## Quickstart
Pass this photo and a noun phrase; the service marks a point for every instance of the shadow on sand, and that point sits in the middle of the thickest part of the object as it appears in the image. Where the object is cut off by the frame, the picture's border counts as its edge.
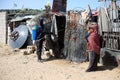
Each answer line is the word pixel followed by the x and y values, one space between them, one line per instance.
pixel 106 67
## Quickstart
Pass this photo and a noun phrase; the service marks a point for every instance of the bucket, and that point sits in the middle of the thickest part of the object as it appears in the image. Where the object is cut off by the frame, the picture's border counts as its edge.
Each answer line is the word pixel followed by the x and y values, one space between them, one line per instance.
pixel 34 32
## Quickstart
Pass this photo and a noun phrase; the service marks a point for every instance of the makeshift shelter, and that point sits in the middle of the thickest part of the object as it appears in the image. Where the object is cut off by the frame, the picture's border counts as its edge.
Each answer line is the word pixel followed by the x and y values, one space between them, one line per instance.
pixel 74 40
pixel 109 29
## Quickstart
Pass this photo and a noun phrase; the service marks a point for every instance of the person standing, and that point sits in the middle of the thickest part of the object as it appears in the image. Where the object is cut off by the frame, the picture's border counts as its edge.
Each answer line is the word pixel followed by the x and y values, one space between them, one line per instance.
pixel 38 38
pixel 93 46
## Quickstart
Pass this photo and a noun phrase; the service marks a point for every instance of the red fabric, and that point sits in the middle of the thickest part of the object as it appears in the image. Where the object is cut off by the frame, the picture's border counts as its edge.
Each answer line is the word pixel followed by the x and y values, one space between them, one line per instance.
pixel 95 13
pixel 93 40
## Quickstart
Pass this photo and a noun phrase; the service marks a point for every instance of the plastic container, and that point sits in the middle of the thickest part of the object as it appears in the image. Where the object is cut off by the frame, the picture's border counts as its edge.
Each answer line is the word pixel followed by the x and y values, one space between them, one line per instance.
pixel 34 32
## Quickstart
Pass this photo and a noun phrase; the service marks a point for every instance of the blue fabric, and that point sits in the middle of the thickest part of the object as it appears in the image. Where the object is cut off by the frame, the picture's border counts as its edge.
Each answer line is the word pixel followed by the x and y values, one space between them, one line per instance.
pixel 87 35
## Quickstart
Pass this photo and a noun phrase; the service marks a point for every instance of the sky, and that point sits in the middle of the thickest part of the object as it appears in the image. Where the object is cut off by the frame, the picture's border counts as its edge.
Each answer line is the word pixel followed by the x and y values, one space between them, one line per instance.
pixel 39 4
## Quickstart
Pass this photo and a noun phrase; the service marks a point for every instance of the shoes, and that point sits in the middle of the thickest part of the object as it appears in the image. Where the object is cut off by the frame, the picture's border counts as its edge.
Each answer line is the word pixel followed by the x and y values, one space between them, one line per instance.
pixel 40 60
pixel 90 70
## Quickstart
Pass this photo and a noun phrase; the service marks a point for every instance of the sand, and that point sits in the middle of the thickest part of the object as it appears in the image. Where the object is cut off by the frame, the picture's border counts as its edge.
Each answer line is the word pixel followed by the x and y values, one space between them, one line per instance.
pixel 16 66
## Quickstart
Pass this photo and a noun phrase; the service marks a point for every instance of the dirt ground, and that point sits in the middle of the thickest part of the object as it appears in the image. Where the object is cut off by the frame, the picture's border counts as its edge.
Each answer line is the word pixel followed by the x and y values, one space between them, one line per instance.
pixel 16 66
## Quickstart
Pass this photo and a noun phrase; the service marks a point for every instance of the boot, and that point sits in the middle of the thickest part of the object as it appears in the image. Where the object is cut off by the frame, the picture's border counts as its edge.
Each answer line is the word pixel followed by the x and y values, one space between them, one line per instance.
pixel 39 58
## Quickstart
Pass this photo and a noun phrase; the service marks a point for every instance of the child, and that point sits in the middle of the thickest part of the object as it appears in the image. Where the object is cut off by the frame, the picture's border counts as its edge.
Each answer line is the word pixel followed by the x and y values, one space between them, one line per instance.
pixel 93 46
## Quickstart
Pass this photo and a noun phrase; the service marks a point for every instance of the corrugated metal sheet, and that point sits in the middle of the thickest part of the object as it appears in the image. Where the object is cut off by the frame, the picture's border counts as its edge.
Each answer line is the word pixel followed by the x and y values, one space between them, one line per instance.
pixel 59 6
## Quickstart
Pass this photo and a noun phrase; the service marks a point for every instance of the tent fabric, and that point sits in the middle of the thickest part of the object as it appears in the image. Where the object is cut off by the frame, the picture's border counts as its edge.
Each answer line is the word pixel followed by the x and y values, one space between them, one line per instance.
pixel 75 44
pixel 103 21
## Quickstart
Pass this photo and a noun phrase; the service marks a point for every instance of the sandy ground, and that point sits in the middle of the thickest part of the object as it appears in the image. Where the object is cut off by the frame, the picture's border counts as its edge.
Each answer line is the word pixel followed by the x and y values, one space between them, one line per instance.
pixel 16 66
